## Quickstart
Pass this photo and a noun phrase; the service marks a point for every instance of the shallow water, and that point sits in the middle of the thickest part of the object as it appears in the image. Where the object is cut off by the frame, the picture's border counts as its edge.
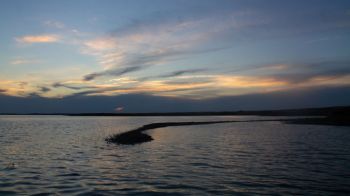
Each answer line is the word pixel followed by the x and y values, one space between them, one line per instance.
pixel 68 155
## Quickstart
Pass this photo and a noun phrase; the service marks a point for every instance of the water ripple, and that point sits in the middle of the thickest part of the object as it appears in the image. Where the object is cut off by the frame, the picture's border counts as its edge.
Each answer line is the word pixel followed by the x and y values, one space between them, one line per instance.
pixel 50 155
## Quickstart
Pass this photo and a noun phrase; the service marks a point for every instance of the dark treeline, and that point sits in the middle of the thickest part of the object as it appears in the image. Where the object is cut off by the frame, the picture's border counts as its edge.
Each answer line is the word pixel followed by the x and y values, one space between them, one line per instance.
pixel 325 111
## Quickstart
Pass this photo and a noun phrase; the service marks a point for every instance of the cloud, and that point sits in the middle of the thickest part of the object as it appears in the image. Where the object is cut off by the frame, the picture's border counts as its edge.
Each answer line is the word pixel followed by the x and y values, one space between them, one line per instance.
pixel 21 61
pixel 91 76
pixel 293 98
pixel 161 38
pixel 101 44
pixel 45 38
pixel 200 83
pixel 248 82
pixel 117 72
pixel 185 83
pixel 260 68
pixel 307 72
pixel 174 74
pixel 16 88
pixel 153 88
pixel 182 72
pixel 158 41
pixel 120 64
pixel 58 84
pixel 44 89
pixel 299 72
pixel 54 24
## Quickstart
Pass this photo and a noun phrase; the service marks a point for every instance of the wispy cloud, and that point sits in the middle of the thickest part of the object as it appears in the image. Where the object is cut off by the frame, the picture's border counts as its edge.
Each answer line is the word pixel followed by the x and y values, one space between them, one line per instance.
pixel 156 41
pixel 44 89
pixel 182 72
pixel 174 74
pixel 16 88
pixel 54 24
pixel 101 44
pixel 182 85
pixel 21 60
pixel 117 72
pixel 195 83
pixel 44 38
pixel 159 41
pixel 300 73
pixel 69 86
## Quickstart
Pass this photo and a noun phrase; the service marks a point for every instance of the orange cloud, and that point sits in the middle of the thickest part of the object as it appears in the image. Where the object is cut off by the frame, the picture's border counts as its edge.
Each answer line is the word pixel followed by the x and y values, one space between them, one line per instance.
pixel 16 88
pixel 248 82
pixel 327 80
pixel 38 39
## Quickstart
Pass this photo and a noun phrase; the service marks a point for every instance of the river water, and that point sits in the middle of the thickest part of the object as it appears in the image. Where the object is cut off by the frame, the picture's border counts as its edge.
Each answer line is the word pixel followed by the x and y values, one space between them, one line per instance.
pixel 48 155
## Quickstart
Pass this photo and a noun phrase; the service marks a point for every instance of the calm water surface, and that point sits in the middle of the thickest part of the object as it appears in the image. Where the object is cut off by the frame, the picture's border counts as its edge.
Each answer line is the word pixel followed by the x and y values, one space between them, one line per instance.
pixel 68 156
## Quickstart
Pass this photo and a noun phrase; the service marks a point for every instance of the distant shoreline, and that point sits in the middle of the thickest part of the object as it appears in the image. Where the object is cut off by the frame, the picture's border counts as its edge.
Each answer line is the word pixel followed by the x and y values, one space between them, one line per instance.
pixel 334 116
pixel 324 111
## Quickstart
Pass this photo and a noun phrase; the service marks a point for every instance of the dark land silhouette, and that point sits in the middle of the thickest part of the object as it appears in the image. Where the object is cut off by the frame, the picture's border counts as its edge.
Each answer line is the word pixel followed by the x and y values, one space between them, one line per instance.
pixel 324 111
pixel 336 116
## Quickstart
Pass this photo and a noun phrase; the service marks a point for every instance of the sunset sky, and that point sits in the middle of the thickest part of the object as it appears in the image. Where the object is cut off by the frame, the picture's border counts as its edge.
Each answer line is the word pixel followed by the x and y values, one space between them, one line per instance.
pixel 172 48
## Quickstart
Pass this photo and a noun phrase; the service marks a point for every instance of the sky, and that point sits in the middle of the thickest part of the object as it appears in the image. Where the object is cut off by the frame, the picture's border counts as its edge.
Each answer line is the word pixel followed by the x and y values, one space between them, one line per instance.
pixel 193 50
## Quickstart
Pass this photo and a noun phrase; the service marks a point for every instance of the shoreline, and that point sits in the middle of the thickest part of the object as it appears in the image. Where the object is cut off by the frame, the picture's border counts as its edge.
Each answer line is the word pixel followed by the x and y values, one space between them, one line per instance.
pixel 320 111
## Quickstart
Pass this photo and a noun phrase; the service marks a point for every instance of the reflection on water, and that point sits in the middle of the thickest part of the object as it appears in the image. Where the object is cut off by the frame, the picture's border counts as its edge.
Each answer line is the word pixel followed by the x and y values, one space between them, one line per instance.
pixel 68 155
